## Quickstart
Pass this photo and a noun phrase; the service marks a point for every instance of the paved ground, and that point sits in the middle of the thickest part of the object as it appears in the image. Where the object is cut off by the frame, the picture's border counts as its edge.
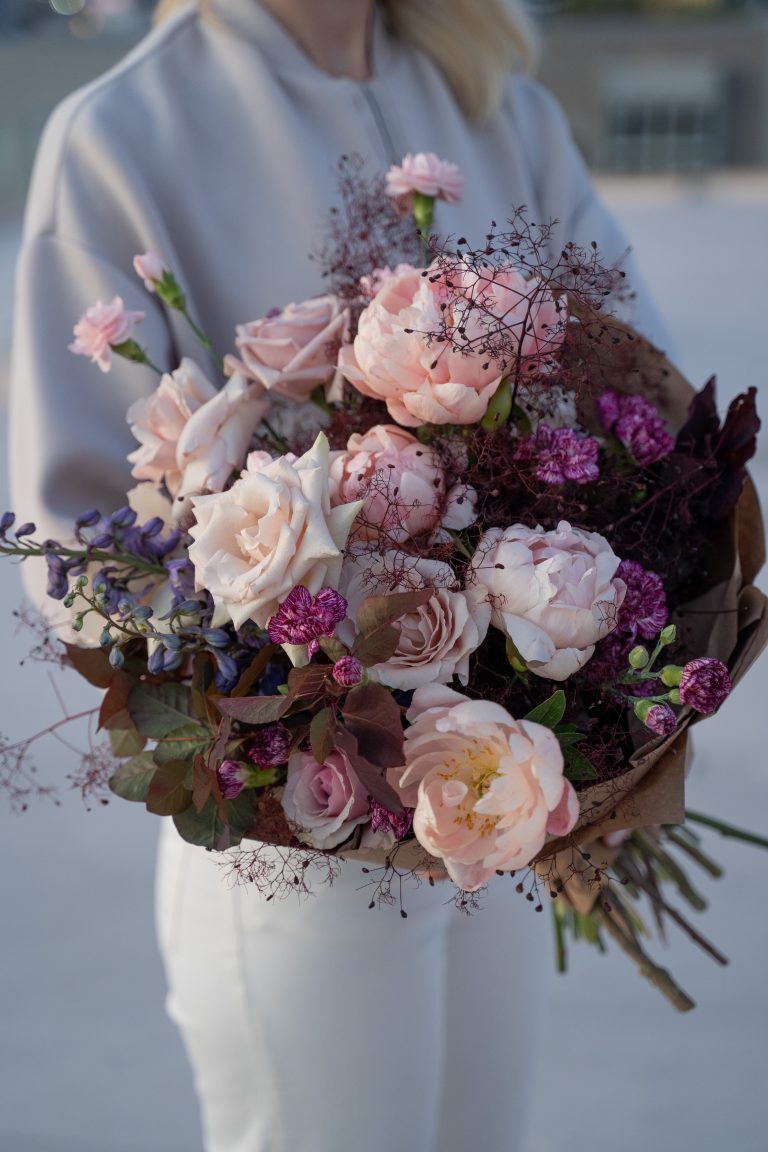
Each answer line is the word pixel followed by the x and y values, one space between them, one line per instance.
pixel 87 1060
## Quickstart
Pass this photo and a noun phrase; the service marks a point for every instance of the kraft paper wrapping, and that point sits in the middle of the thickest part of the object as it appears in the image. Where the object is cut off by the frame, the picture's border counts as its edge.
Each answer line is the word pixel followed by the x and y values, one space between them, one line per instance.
pixel 729 622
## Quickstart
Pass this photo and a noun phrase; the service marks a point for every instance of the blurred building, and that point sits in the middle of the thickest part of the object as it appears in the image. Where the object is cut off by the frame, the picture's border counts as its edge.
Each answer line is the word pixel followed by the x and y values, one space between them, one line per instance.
pixel 663 87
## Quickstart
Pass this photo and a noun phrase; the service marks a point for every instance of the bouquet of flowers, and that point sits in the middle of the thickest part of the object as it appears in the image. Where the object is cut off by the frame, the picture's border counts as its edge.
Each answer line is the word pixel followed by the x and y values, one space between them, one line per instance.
pixel 440 577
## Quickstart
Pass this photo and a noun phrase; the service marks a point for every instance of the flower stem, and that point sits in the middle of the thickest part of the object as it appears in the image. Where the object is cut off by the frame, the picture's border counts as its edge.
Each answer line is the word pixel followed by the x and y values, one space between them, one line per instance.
pixel 728 830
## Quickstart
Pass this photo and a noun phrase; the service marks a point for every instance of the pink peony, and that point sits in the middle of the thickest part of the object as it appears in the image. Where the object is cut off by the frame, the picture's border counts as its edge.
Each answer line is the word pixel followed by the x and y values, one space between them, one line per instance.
pixel 100 328
pixel 293 351
pixel 326 801
pixel 273 529
pixel 424 172
pixel 402 486
pixel 151 268
pixel 391 360
pixel 555 594
pixel 437 639
pixel 487 789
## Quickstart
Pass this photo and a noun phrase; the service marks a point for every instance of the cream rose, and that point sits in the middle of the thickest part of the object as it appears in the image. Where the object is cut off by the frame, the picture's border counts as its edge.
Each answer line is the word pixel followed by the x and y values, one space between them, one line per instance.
pixel 391 360
pixel 326 801
pixel 555 594
pixel 401 483
pixel 273 529
pixel 437 639
pixel 157 422
pixel 293 351
pixel 487 789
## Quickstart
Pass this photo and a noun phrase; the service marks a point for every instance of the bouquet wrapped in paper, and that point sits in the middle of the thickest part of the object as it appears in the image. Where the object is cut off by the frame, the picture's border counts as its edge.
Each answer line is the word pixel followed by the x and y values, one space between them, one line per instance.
pixel 440 578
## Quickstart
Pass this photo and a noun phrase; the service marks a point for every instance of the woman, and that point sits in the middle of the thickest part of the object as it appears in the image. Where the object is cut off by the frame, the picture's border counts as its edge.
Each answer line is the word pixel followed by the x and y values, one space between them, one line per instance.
pixel 321 1025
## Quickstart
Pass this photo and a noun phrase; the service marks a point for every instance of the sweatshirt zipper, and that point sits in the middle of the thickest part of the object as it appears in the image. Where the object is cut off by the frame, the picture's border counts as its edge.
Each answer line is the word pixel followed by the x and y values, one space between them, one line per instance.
pixel 381 124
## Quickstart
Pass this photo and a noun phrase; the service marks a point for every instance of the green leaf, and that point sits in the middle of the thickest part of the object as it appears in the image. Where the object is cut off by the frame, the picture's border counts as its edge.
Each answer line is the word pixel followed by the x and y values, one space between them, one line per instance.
pixel 126 741
pixel 183 743
pixel 168 793
pixel 207 828
pixel 550 712
pixel 321 735
pixel 158 709
pixel 374 718
pixel 131 780
pixel 577 767
pixel 255 709
pixel 567 739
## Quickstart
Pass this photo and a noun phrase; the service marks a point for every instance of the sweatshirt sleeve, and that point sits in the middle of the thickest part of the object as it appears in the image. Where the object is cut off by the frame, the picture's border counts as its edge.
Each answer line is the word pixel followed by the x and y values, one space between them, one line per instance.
pixel 565 193
pixel 68 432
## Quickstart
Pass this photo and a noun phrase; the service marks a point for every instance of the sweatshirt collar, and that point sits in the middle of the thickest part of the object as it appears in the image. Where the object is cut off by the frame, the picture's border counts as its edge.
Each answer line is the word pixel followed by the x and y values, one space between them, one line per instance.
pixel 252 20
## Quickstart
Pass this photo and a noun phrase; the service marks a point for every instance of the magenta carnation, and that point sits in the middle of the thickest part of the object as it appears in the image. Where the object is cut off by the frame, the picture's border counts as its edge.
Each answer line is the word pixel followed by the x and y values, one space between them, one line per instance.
pixel 636 423
pixel 347 671
pixel 561 454
pixel 302 617
pixel 704 684
pixel 644 610
pixel 232 777
pixel 270 746
pixel 660 719
pixel 382 820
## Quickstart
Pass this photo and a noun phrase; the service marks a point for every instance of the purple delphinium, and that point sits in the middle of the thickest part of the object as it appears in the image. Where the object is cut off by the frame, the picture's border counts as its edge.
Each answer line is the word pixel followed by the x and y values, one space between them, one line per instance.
pixel 704 684
pixel 644 610
pixel 636 423
pixel 561 454
pixel 302 617
pixel 270 746
pixel 382 820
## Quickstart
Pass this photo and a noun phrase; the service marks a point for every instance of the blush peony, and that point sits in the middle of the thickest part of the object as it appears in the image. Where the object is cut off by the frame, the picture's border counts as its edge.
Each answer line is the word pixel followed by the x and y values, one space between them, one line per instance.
pixel 401 483
pixel 326 801
pixel 293 351
pixel 487 789
pixel 554 594
pixel 437 639
pixel 273 529
pixel 391 360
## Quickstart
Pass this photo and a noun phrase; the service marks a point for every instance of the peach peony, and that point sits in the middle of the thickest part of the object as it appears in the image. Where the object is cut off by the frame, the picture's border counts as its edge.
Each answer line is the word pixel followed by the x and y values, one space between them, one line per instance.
pixel 554 594
pixel 292 351
pixel 273 529
pixel 437 639
pixel 401 484
pixel 390 359
pixel 487 789
pixel 326 801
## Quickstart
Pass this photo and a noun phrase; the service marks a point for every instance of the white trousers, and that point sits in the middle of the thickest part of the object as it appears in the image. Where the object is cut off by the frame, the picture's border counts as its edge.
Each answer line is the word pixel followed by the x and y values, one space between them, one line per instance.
pixel 316 1025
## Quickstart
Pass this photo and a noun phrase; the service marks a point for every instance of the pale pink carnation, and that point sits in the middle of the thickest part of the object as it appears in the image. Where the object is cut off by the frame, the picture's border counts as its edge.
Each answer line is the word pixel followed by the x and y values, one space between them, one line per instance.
pixel 437 639
pixel 102 326
pixel 325 802
pixel 426 173
pixel 151 268
pixel 555 594
pixel 293 351
pixel 401 483
pixel 487 789
pixel 392 361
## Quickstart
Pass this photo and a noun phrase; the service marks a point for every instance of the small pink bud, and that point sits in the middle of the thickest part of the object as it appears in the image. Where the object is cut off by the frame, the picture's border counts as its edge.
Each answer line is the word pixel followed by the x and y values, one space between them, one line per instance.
pixel 347 671
pixel 150 268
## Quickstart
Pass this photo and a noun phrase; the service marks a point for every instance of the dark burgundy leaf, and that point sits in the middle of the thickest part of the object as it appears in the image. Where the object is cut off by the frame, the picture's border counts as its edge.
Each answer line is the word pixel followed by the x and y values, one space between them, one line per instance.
pixel 373 716
pixel 370 775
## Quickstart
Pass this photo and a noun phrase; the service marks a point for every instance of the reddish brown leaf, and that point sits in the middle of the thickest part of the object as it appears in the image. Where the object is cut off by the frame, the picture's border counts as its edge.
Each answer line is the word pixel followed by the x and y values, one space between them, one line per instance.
pixel 333 648
pixel 376 647
pixel 255 709
pixel 92 664
pixel 377 611
pixel 321 734
pixel 370 775
pixel 115 701
pixel 202 783
pixel 168 794
pixel 306 683
pixel 255 670
pixel 374 718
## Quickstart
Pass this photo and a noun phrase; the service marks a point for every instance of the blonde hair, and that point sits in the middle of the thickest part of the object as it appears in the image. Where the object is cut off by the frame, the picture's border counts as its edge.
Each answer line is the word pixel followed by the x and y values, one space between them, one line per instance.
pixel 474 43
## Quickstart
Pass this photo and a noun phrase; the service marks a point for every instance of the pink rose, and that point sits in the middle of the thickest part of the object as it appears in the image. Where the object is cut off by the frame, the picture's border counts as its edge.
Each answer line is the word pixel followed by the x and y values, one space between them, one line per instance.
pixel 273 529
pixel 555 594
pixel 426 173
pixel 487 789
pixel 102 326
pixel 151 268
pixel 325 801
pixel 401 483
pixel 293 351
pixel 391 360
pixel 437 639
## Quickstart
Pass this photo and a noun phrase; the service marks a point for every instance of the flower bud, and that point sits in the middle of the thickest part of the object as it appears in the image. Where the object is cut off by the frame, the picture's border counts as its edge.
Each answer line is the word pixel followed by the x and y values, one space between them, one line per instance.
pixel 670 675
pixel 348 671
pixel 231 777
pixel 26 530
pixel 668 635
pixel 657 717
pixel 116 657
pixel 638 657
pixel 77 623
pixel 106 640
pixel 499 408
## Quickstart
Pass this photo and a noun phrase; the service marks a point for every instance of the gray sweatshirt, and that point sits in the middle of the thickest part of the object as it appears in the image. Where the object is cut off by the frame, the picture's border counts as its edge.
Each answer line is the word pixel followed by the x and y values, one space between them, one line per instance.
pixel 215 144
